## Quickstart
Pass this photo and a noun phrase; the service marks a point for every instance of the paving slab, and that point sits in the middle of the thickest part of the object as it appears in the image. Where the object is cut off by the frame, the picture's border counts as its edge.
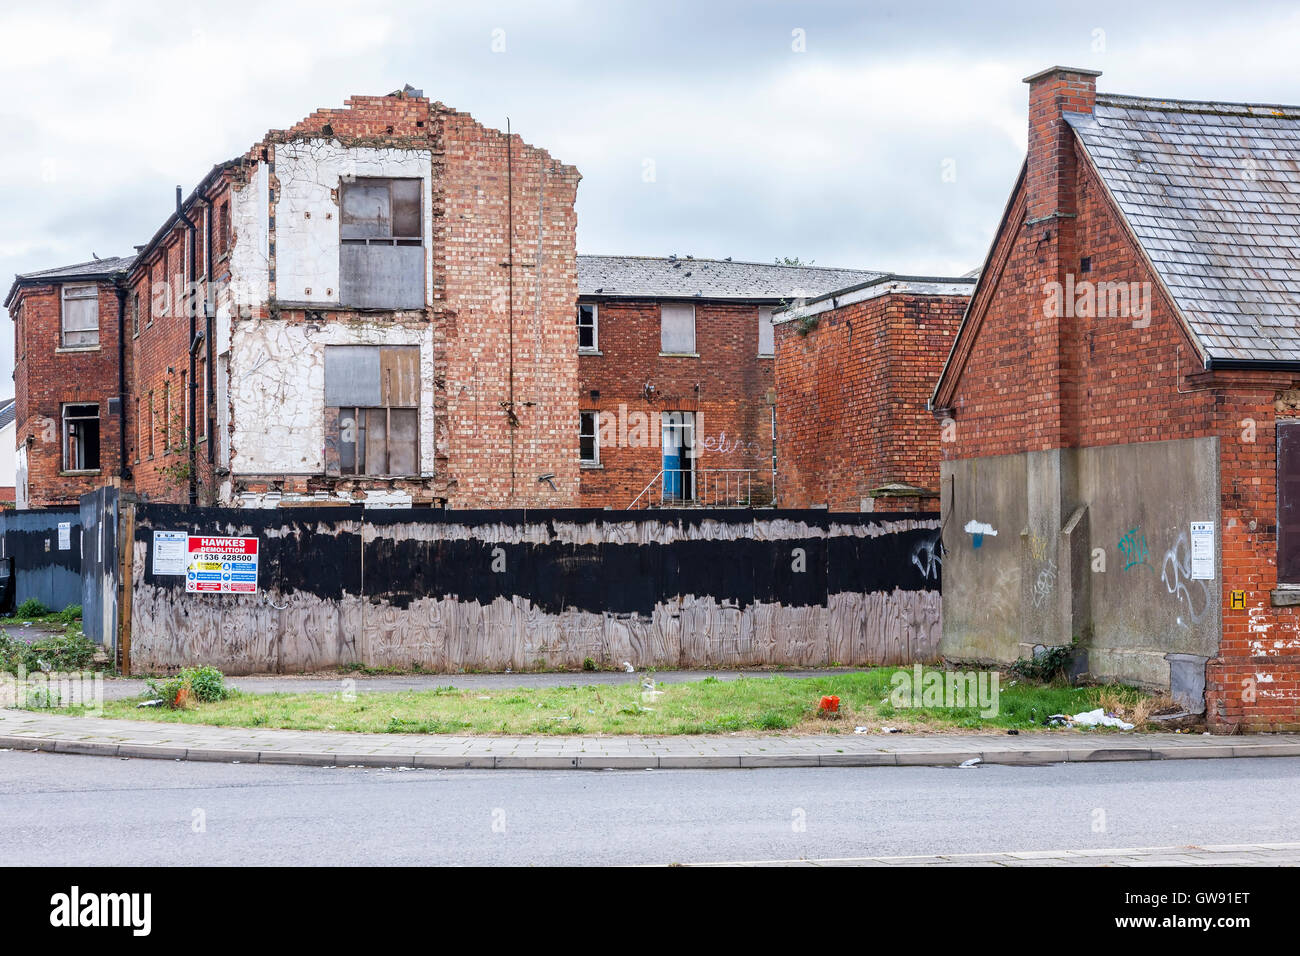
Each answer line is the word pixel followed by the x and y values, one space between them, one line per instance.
pixel 52 730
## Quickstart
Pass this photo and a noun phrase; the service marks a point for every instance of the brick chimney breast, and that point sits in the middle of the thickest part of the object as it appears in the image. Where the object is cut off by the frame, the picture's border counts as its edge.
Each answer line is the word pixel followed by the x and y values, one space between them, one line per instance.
pixel 1050 181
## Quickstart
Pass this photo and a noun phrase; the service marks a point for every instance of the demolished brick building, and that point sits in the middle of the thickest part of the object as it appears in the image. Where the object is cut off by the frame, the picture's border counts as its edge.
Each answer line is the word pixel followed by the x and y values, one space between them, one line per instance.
pixel 374 305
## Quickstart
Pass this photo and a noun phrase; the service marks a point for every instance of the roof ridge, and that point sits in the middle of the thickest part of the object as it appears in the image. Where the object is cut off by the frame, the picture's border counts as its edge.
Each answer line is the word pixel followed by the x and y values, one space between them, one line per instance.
pixel 736 262
pixel 72 265
pixel 1169 105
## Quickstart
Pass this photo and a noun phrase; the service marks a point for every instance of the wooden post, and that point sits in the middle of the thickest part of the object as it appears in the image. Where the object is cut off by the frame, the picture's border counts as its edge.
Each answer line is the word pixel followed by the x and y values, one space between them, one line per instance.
pixel 127 545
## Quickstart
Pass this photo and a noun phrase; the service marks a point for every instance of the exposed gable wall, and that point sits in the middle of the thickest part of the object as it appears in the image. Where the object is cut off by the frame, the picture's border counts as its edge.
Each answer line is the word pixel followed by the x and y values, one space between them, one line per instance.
pixel 851 401
pixel 1027 380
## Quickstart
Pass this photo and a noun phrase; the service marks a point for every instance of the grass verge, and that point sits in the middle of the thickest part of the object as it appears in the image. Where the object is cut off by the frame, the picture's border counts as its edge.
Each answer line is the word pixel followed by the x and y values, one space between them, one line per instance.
pixel 708 706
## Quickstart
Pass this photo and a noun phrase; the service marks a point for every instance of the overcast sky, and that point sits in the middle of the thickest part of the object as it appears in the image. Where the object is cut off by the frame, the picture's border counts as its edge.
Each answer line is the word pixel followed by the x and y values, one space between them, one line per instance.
pixel 814 129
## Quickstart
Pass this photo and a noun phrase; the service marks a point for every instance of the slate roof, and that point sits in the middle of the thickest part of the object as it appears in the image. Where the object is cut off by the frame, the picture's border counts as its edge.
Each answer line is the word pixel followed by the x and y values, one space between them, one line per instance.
pixel 92 270
pixel 96 267
pixel 1212 192
pixel 8 408
pixel 683 278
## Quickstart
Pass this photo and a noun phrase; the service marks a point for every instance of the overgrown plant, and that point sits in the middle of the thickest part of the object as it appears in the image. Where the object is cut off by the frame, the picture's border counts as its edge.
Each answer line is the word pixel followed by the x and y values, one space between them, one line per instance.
pixel 1046 667
pixel 203 684
pixel 69 615
pixel 31 608
pixel 65 652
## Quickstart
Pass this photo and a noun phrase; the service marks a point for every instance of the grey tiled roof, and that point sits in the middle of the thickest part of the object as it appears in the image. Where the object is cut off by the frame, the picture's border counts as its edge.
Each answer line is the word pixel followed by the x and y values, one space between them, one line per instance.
pixel 8 407
pixel 96 267
pixel 1212 192
pixel 671 277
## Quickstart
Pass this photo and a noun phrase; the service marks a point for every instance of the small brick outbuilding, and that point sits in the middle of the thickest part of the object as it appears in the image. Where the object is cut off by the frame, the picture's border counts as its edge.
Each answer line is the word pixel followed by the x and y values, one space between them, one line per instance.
pixel 1122 404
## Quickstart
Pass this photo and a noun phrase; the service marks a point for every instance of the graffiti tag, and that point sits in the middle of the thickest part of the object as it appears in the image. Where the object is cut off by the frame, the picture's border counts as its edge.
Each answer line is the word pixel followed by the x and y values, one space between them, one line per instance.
pixel 1045 583
pixel 1133 545
pixel 927 555
pixel 1176 573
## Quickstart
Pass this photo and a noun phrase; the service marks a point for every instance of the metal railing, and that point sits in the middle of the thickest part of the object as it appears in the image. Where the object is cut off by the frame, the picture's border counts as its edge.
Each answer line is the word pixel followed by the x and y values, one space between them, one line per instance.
pixel 698 488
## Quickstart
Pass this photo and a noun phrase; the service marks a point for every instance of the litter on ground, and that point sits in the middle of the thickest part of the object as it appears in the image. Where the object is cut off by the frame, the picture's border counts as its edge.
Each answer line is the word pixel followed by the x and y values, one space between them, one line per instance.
pixel 1099 718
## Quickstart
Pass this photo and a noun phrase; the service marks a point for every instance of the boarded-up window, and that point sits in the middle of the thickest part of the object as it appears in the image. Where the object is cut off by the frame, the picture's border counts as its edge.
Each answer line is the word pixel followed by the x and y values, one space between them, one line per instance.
pixel 80 316
pixel 1288 502
pixel 677 328
pixel 382 254
pixel 766 339
pixel 372 397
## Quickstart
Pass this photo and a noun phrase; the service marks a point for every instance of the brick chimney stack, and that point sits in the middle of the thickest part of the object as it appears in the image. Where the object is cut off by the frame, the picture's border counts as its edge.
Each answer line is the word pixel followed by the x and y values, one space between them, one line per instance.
pixel 1050 179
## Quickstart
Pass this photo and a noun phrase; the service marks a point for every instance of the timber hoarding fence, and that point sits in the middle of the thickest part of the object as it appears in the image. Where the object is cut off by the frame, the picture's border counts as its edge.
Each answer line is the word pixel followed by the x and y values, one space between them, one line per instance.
pixel 486 590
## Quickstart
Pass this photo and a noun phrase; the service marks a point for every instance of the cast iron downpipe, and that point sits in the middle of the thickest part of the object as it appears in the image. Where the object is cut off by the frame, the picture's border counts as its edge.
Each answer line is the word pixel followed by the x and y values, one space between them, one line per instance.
pixel 123 469
pixel 210 369
pixel 189 224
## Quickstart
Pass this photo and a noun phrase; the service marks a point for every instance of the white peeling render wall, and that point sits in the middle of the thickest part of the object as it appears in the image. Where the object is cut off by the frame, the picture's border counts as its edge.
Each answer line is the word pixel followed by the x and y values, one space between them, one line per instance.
pixel 250 279
pixel 307 211
pixel 277 392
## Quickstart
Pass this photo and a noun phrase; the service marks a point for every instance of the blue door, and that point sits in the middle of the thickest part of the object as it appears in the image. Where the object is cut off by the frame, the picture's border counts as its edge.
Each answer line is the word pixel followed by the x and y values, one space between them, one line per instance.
pixel 679 456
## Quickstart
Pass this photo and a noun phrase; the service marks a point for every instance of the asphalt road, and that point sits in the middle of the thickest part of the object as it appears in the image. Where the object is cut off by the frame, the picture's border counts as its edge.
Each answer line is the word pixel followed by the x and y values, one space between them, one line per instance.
pixel 72 810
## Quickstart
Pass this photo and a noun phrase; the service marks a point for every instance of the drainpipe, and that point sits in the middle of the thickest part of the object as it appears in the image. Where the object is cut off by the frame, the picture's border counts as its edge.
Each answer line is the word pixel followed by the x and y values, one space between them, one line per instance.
pixel 189 224
pixel 210 378
pixel 123 469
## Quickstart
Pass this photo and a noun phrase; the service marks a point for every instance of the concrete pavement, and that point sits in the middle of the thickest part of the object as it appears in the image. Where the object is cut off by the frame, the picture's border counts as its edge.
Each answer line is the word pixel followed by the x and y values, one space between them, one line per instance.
pixel 1226 854
pixel 95 736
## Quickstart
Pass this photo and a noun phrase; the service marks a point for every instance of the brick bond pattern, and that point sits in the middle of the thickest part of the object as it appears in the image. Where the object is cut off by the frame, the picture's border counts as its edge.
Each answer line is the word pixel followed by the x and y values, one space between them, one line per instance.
pixel 727 387
pixel 852 396
pixel 46 377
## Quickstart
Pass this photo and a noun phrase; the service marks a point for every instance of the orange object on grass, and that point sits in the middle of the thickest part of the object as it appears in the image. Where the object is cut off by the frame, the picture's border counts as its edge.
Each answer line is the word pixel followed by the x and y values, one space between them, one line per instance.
pixel 831 704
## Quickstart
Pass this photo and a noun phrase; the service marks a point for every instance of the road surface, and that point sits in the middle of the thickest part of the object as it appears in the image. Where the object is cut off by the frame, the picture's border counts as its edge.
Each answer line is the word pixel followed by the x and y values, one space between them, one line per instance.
pixel 74 810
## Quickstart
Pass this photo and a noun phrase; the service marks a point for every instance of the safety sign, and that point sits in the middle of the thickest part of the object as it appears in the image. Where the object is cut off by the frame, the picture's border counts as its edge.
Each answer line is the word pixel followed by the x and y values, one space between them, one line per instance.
pixel 222 565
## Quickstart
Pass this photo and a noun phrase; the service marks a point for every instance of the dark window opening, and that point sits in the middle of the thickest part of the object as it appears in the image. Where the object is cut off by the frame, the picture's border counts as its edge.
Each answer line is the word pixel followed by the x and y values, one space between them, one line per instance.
pixel 588 442
pixel 80 437
pixel 587 335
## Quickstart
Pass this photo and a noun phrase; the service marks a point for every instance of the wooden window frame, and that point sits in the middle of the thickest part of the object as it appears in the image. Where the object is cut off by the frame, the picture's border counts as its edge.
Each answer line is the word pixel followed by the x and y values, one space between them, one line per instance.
pixel 594 416
pixel 65 295
pixel 67 452
pixel 594 325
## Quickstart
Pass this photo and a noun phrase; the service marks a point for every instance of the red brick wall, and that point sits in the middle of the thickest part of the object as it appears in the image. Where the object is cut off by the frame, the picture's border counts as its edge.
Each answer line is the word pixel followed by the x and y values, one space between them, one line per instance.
pixel 1030 381
pixel 158 363
pixel 500 438
pixel 727 387
pixel 1255 681
pixel 851 402
pixel 47 377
